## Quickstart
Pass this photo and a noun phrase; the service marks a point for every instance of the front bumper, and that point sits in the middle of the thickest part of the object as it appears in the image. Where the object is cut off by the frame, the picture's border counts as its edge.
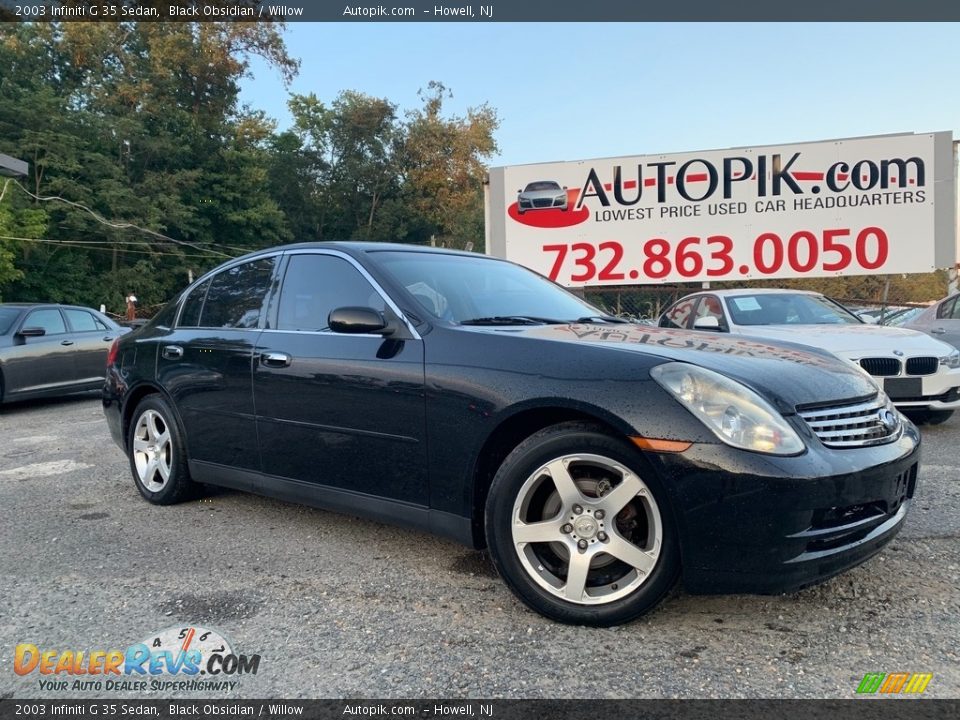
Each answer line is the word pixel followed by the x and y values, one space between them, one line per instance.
pixel 937 391
pixel 764 524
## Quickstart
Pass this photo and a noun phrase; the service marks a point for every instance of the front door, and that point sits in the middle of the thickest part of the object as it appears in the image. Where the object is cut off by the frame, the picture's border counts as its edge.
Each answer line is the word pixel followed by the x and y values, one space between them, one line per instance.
pixel 336 410
pixel 40 364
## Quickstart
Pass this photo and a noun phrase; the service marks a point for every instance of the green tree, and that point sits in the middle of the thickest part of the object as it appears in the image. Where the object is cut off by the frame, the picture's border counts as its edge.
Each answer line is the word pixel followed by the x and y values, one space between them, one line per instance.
pixel 443 166
pixel 140 123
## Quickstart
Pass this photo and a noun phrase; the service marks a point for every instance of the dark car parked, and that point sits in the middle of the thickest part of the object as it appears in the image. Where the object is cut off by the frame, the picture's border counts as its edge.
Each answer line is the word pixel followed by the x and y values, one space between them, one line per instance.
pixel 598 460
pixel 48 350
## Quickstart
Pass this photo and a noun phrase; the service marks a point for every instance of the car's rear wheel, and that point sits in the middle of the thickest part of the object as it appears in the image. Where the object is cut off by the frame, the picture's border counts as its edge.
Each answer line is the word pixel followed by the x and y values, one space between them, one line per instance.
pixel 157 456
pixel 579 529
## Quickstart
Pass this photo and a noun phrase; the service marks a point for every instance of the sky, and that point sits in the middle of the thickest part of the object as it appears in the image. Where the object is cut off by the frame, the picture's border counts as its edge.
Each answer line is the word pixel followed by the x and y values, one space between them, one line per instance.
pixel 570 91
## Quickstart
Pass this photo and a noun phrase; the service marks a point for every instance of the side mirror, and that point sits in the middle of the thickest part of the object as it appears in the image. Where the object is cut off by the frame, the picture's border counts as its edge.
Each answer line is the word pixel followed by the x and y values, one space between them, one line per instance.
pixel 32 332
pixel 707 322
pixel 358 321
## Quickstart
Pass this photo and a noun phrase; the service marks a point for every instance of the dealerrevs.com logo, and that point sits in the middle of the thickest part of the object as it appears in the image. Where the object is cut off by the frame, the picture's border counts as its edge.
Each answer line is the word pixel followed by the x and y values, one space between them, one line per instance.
pixel 179 658
pixel 894 683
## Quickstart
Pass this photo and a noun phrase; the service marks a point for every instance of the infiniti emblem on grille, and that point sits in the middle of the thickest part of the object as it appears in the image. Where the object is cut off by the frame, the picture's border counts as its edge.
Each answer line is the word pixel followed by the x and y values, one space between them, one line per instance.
pixel 888 419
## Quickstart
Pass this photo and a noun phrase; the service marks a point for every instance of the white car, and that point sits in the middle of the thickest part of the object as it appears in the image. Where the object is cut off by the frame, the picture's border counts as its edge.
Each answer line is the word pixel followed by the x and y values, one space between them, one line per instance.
pixel 542 195
pixel 919 373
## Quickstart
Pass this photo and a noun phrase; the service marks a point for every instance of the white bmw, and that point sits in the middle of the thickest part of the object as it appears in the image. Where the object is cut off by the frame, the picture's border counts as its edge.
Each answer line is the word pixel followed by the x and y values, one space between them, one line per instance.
pixel 919 373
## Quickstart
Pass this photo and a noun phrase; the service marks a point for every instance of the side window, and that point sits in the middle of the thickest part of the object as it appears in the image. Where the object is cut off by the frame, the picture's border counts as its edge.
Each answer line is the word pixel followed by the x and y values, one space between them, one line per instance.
pixel 190 317
pixel 49 319
pixel 237 295
pixel 82 321
pixel 233 298
pixel 710 307
pixel 316 284
pixel 678 314
pixel 949 309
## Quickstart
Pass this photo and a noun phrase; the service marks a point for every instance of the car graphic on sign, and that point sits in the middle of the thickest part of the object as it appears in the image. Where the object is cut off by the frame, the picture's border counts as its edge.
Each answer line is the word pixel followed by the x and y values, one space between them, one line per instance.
pixel 542 195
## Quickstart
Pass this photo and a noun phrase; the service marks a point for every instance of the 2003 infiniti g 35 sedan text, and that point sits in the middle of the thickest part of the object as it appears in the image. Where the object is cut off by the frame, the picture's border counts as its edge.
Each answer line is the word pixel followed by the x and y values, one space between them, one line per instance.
pixel 468 396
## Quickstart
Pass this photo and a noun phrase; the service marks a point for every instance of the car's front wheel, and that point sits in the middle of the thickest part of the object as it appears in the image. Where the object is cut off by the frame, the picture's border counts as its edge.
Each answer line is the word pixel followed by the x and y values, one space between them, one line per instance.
pixel 157 454
pixel 579 530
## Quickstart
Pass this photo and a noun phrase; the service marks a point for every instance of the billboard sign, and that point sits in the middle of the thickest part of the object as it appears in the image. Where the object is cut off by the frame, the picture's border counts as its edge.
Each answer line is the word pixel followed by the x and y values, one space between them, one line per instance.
pixel 883 204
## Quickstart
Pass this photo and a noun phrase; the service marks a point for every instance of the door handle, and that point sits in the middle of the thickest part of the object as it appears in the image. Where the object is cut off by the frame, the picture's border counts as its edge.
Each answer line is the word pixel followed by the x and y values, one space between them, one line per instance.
pixel 275 359
pixel 108 338
pixel 172 352
pixel 66 342
pixel 938 331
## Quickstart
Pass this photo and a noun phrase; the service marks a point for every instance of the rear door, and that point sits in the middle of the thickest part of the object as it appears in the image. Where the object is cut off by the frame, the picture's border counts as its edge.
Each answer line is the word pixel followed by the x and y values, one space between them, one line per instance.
pixel 205 364
pixel 92 339
pixel 336 410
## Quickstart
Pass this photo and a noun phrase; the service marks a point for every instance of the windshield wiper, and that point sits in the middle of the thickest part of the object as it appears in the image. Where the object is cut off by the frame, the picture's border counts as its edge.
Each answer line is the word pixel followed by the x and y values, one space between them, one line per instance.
pixel 512 320
pixel 602 318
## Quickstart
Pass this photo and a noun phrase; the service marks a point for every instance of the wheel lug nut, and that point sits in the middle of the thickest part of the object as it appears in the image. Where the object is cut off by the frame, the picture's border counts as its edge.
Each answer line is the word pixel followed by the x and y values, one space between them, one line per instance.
pixel 577 509
pixel 582 544
pixel 602 536
pixel 568 528
pixel 599 514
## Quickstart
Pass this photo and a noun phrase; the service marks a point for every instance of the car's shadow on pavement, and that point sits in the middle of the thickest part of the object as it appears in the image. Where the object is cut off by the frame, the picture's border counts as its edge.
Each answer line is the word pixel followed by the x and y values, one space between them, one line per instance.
pixel 14 406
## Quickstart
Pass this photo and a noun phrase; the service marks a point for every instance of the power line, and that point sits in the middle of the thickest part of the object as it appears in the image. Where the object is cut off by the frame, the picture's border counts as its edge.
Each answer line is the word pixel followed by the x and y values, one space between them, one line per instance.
pixel 84 244
pixel 117 226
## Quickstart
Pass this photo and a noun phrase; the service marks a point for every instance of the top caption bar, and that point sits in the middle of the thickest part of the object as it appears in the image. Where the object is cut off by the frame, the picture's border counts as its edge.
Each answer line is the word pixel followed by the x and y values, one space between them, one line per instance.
pixel 491 11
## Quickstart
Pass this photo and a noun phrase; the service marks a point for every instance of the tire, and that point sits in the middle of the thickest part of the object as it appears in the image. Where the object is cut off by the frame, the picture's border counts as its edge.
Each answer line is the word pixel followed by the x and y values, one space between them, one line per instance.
pixel 157 454
pixel 626 556
pixel 928 417
pixel 938 417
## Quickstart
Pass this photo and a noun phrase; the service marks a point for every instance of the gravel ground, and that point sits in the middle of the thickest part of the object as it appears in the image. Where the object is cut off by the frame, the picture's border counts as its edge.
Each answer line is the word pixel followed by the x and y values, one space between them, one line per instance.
pixel 342 607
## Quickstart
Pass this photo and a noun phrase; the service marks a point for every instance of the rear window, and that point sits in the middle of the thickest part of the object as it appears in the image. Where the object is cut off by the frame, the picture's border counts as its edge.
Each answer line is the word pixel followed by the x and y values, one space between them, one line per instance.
pixel 83 321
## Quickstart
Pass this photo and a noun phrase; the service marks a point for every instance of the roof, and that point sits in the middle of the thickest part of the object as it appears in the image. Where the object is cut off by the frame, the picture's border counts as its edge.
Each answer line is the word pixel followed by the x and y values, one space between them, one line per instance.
pixel 758 291
pixel 367 246
pixel 41 305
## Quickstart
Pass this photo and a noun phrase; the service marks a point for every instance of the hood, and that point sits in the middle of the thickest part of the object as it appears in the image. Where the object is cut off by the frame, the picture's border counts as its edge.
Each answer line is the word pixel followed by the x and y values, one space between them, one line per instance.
pixel 785 373
pixel 542 193
pixel 853 341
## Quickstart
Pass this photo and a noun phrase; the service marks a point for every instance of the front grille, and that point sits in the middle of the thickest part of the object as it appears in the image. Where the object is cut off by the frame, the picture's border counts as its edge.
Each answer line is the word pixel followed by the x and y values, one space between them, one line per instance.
pixel 881 367
pixel 538 203
pixel 848 426
pixel 923 365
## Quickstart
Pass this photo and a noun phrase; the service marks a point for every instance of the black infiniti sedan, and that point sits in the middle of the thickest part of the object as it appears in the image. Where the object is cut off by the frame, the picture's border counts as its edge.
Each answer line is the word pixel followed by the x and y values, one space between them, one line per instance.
pixel 48 350
pixel 598 460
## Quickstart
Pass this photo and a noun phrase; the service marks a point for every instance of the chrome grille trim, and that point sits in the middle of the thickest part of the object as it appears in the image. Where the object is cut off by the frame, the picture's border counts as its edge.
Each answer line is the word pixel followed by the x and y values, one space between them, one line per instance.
pixel 849 426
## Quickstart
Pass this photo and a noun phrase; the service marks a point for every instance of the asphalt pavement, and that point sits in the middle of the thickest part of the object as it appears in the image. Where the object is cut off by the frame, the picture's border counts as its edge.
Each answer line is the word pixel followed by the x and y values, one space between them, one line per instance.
pixel 338 607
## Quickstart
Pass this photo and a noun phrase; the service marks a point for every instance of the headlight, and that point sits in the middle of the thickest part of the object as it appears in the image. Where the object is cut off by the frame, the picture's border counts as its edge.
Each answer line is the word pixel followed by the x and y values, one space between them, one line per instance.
pixel 734 412
pixel 952 360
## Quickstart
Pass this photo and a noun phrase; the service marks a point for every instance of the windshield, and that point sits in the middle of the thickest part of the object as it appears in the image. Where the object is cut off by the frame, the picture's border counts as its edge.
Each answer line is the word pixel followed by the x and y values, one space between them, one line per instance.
pixel 788 309
pixel 8 316
pixel 542 185
pixel 463 289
